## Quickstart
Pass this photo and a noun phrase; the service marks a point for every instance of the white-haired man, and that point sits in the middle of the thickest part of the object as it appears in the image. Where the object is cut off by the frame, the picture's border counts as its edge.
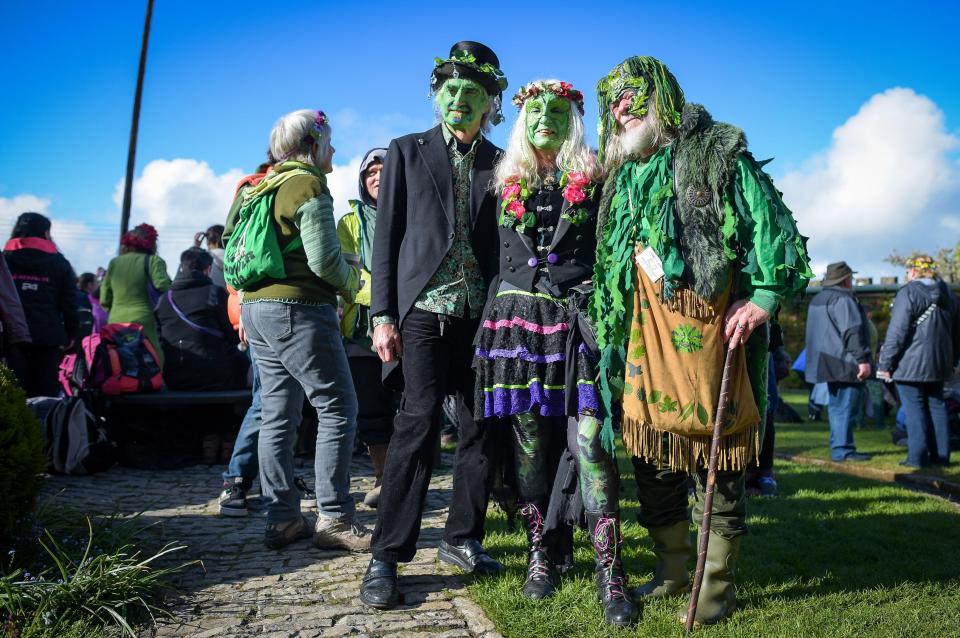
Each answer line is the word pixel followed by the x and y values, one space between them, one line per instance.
pixel 435 253
pixel 696 250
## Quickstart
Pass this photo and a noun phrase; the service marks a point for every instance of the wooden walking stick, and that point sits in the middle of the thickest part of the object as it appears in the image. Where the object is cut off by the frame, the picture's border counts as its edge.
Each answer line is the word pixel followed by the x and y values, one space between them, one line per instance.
pixel 712 477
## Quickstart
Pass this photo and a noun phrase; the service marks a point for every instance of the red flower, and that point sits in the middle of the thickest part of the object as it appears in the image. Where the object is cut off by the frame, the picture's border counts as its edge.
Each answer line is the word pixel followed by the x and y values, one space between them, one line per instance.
pixel 574 194
pixel 517 208
pixel 577 178
pixel 511 191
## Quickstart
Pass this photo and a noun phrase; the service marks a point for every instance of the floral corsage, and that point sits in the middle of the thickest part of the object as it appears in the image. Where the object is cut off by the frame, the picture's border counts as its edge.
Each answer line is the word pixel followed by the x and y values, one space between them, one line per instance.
pixel 577 189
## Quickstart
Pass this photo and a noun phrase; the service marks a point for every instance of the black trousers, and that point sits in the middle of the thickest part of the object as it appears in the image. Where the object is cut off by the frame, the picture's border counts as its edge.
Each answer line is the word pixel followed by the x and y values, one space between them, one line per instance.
pixel 37 368
pixel 377 404
pixel 437 360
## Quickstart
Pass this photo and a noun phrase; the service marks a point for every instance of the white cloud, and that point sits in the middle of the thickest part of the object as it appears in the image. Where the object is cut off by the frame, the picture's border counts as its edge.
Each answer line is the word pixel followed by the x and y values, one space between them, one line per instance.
pixel 881 185
pixel 179 197
pixel 344 184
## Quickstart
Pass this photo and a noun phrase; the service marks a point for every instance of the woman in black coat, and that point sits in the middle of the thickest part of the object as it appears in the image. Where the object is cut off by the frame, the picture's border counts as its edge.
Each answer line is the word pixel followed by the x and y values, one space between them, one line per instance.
pixel 48 291
pixel 920 353
pixel 199 342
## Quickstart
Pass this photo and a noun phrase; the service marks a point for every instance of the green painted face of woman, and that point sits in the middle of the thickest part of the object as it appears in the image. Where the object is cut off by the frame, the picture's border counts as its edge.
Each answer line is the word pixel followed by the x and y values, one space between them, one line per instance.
pixel 462 103
pixel 547 121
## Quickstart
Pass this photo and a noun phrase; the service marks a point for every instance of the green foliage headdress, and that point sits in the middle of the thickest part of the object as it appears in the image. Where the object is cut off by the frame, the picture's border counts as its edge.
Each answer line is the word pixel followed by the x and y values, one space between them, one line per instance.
pixel 642 75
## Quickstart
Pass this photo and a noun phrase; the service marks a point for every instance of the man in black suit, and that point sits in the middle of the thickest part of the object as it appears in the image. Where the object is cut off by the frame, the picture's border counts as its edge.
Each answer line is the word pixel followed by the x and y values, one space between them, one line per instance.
pixel 435 253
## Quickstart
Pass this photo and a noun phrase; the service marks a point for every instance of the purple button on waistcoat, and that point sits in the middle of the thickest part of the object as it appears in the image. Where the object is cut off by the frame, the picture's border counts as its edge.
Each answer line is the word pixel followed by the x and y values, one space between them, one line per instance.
pixel 552 258
pixel 532 262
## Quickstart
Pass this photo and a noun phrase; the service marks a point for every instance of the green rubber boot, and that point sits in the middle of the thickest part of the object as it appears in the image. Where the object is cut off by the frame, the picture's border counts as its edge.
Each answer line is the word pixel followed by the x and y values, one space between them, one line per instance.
pixel 718 594
pixel 671 545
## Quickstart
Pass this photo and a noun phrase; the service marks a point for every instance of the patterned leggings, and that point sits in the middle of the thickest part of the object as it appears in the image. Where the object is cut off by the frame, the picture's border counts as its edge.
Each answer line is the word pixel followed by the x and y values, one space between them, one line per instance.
pixel 597 472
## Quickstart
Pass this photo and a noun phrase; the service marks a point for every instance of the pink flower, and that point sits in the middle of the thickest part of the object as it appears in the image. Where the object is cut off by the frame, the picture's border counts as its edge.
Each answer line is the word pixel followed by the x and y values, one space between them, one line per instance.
pixel 574 194
pixel 517 208
pixel 511 191
pixel 577 178
pixel 513 179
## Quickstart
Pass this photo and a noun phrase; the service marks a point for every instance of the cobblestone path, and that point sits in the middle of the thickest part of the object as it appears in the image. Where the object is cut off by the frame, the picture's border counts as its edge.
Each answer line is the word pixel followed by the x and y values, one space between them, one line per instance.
pixel 243 589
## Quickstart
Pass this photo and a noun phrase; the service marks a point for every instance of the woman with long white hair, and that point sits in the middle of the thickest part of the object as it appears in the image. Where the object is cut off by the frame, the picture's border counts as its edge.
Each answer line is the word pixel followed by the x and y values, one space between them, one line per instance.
pixel 535 366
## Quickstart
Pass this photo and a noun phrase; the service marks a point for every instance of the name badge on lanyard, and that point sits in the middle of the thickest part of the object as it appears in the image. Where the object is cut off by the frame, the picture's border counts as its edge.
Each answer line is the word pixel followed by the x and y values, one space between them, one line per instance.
pixel 651 264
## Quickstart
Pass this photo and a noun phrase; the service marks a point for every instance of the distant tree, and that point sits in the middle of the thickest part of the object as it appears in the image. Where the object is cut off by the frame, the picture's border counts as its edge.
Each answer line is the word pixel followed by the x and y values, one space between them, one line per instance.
pixel 948 262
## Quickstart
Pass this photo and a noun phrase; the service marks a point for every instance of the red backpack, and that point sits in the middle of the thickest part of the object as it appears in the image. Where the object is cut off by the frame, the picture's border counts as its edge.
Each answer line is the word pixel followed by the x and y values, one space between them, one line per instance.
pixel 117 360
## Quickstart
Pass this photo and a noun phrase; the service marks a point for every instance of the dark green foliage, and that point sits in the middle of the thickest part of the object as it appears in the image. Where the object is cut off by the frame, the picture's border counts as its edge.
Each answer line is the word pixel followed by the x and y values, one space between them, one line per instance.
pixel 22 461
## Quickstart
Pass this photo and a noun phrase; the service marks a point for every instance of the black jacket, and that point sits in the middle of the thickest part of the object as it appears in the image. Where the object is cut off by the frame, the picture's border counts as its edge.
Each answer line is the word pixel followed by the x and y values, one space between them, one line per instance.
pixel 48 290
pixel 415 219
pixel 923 338
pixel 573 247
pixel 195 360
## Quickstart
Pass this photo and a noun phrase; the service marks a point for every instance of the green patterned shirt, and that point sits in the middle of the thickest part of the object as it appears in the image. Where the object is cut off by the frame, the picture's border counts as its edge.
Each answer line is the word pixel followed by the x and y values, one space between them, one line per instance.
pixel 457 287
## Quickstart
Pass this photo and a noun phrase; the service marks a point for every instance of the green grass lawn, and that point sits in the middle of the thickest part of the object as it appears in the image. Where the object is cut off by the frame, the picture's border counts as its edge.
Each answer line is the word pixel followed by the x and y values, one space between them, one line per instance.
pixel 835 555
pixel 812 438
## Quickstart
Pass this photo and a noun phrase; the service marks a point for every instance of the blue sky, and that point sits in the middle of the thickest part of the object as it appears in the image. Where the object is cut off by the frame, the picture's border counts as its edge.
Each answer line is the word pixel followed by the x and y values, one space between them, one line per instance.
pixel 220 73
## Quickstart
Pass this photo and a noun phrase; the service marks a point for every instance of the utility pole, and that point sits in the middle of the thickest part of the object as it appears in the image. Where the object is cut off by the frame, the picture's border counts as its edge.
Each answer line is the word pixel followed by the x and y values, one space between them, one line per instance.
pixel 135 125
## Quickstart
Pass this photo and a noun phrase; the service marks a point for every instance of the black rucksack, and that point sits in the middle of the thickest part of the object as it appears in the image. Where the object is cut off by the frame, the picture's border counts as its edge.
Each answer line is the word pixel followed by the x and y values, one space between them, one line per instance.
pixel 74 438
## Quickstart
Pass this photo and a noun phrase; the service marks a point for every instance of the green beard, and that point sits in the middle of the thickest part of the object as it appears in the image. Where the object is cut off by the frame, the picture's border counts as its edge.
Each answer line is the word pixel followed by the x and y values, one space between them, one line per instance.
pixel 462 103
pixel 547 121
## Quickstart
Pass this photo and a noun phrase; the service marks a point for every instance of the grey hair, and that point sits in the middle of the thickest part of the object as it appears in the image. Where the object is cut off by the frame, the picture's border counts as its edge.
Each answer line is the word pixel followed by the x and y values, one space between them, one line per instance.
pixel 493 105
pixel 292 137
pixel 520 157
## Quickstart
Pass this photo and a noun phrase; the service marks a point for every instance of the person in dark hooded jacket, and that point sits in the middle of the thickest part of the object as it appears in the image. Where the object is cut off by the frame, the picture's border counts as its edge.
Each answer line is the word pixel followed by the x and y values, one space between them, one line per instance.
pixel 377 403
pixel 198 340
pixel 48 289
pixel 921 351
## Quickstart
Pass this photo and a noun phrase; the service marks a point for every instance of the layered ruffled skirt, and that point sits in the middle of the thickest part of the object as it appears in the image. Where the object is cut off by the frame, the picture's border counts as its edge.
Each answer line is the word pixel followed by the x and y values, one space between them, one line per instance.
pixel 529 358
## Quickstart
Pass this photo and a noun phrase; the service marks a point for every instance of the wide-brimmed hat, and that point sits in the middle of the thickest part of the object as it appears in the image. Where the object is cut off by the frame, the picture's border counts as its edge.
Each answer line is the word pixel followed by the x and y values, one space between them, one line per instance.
pixel 836 273
pixel 473 61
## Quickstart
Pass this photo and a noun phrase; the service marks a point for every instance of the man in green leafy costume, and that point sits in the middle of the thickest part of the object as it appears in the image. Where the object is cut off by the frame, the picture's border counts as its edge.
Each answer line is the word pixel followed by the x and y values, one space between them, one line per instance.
pixel 695 248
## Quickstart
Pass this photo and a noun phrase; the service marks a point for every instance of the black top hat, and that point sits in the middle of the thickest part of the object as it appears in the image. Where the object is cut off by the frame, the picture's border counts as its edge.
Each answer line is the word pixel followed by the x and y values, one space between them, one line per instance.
pixel 836 273
pixel 473 61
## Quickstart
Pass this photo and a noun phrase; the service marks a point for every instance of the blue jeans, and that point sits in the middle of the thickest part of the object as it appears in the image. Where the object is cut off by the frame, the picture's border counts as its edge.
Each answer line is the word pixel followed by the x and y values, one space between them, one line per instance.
pixel 928 429
pixel 243 463
pixel 846 400
pixel 299 353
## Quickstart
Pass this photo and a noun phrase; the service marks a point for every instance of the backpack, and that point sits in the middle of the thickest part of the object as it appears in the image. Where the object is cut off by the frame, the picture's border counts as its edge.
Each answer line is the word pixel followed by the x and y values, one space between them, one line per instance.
pixel 117 360
pixel 75 441
pixel 253 252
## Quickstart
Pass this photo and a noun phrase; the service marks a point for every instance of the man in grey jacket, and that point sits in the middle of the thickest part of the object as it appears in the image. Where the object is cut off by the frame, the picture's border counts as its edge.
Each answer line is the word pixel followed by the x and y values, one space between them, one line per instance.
pixel 838 354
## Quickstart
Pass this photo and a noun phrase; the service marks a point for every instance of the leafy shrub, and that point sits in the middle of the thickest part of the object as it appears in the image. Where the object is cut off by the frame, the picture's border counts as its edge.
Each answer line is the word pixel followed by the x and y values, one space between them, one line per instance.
pixel 22 460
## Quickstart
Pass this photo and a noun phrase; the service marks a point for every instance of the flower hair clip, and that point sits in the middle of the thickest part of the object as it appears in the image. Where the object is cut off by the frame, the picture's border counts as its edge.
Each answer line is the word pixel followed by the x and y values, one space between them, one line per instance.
pixel 560 89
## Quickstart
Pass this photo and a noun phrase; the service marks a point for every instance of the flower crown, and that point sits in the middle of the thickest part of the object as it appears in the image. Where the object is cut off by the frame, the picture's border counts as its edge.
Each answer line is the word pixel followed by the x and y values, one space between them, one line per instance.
pixel 922 262
pixel 560 89
pixel 470 60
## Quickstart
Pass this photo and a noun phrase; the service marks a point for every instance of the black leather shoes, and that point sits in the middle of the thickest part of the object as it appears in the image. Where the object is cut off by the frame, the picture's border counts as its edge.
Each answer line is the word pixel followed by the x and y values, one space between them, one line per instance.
pixel 470 557
pixel 379 588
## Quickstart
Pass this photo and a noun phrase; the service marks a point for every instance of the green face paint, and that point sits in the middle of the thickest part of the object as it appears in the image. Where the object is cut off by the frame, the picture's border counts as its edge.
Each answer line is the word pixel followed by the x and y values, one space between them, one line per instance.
pixel 547 121
pixel 462 103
